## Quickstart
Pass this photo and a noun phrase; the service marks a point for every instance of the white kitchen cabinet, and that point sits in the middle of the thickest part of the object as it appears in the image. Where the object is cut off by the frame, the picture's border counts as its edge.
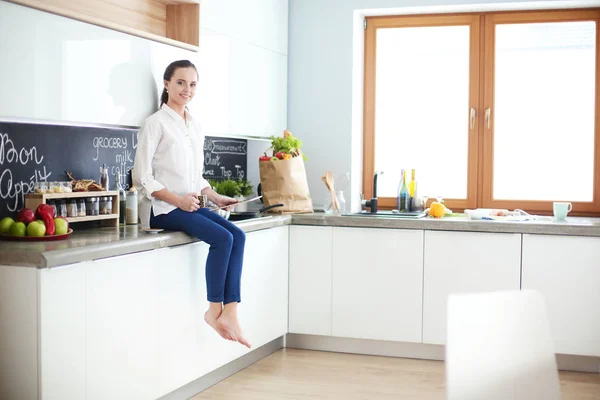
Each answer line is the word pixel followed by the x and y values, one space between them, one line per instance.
pixel 243 87
pixel 187 347
pixel 19 333
pixel 63 332
pixel 183 336
pixel 377 284
pixel 264 310
pixel 243 68
pixel 462 262
pixel 310 279
pixel 262 23
pixel 121 324
pixel 242 65
pixel 566 270
pixel 133 326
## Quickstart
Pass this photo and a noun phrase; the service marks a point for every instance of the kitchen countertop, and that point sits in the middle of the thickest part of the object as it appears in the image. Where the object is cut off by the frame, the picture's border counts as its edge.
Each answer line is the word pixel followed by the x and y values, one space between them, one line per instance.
pixel 575 226
pixel 93 244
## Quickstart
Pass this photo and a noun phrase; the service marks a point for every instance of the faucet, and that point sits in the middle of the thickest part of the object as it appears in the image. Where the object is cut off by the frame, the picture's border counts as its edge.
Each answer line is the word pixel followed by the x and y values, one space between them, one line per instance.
pixel 372 204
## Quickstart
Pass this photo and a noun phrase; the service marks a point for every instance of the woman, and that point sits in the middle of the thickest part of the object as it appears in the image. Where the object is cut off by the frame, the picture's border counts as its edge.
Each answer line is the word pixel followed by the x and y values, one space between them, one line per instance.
pixel 168 167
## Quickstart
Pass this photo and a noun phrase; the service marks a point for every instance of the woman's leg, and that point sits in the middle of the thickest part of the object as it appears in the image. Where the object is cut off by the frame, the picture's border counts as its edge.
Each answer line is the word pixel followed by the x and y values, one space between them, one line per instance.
pixel 228 321
pixel 233 278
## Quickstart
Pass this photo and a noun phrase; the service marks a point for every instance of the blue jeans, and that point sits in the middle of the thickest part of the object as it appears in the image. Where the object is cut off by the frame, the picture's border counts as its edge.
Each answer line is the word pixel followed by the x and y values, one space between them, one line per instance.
pixel 226 253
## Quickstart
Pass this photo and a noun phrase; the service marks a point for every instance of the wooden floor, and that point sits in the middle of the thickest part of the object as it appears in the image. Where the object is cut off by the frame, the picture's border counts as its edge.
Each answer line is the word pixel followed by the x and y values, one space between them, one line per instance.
pixel 302 374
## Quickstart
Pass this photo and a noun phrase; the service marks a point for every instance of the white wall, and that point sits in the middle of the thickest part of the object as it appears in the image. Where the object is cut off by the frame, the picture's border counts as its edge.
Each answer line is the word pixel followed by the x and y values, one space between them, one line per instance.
pixel 325 76
pixel 55 68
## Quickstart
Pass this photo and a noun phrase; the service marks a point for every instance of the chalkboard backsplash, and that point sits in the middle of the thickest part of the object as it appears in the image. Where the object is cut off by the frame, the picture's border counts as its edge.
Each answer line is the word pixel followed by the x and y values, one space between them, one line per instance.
pixel 31 153
pixel 225 158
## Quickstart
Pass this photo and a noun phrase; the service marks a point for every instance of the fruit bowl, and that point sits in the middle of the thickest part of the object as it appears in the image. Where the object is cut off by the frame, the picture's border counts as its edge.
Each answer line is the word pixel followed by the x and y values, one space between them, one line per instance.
pixel 46 238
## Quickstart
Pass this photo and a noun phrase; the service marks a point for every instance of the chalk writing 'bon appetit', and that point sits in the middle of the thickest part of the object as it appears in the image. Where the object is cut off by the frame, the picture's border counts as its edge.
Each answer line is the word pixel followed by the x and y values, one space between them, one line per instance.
pixel 14 191
pixel 11 155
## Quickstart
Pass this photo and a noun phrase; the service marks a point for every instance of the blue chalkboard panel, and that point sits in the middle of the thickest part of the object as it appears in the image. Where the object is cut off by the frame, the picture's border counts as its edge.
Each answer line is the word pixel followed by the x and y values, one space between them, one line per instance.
pixel 31 153
pixel 225 158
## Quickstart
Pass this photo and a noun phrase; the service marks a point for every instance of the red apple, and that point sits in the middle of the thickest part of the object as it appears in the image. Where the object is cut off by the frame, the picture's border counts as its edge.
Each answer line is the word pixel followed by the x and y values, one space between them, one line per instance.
pixel 26 216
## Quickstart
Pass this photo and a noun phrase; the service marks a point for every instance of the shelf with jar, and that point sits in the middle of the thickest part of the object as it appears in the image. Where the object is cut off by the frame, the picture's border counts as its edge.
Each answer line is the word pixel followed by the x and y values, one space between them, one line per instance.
pixel 80 206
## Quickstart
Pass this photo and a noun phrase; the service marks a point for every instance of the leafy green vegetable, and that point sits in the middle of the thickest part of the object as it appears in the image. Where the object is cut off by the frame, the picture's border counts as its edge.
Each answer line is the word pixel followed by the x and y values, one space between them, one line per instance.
pixel 289 145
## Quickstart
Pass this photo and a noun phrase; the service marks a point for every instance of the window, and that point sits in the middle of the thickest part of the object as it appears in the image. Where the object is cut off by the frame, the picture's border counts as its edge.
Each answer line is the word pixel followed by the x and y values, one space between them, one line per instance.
pixel 494 110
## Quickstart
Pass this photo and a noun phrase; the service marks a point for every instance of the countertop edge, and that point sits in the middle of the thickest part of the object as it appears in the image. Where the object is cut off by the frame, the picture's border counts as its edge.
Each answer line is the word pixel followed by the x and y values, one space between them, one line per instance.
pixel 168 239
pixel 463 225
pixel 144 242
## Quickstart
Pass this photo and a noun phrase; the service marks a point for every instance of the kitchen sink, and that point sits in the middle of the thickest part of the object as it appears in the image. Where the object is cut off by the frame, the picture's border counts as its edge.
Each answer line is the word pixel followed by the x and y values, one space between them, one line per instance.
pixel 388 214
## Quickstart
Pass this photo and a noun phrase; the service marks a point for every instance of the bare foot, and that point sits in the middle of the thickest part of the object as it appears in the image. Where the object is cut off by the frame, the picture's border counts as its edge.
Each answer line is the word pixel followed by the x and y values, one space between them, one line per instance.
pixel 230 324
pixel 211 316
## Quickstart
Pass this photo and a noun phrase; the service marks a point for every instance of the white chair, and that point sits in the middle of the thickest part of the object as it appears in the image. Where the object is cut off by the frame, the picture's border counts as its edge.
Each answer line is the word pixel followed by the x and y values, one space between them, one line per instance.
pixel 499 348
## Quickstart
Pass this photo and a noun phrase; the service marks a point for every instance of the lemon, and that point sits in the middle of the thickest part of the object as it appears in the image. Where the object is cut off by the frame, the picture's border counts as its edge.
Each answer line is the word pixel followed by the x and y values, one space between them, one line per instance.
pixel 437 210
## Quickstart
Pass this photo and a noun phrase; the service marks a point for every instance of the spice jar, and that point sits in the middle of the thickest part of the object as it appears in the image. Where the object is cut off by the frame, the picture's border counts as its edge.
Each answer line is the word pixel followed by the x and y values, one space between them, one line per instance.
pixel 52 204
pixel 96 204
pixel 106 205
pixel 92 206
pixel 57 187
pixel 72 208
pixel 81 208
pixel 109 205
pixel 103 205
pixel 67 187
pixel 61 208
pixel 89 207
pixel 39 187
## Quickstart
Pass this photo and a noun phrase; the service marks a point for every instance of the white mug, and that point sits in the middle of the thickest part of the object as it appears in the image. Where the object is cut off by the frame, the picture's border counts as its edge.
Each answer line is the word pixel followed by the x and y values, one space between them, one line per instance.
pixel 561 209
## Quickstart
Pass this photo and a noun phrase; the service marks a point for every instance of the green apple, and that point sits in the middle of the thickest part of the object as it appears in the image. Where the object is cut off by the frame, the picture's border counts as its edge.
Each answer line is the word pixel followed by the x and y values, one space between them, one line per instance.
pixel 62 226
pixel 36 229
pixel 5 224
pixel 18 229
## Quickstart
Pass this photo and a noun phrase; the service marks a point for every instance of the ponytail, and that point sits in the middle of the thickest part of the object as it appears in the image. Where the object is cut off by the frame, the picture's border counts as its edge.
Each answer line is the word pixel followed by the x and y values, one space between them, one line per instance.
pixel 164 97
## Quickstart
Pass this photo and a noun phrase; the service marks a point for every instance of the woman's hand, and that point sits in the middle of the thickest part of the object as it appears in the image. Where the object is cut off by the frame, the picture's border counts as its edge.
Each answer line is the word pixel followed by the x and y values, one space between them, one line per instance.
pixel 189 202
pixel 226 201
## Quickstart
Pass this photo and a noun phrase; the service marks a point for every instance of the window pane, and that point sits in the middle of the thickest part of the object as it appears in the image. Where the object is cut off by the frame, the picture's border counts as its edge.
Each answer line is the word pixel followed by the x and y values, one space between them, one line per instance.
pixel 544 111
pixel 422 104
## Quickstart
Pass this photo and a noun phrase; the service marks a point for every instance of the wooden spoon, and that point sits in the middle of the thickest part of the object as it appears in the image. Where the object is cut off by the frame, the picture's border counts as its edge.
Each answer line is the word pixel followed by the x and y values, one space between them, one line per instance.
pixel 330 185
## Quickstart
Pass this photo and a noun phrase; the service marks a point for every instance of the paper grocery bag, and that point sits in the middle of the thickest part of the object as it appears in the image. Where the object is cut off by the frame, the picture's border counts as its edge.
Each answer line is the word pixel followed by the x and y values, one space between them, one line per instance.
pixel 284 181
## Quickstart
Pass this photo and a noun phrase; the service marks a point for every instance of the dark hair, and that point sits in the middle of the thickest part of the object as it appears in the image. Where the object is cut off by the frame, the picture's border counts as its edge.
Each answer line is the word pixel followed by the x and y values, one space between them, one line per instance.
pixel 164 97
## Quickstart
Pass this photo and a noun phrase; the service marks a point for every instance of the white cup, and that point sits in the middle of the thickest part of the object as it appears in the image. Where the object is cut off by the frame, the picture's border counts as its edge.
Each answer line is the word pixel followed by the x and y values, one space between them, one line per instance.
pixel 561 209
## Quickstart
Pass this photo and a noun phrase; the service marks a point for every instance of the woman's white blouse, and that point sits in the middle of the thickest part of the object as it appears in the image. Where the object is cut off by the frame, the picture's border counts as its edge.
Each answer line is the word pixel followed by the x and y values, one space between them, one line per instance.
pixel 170 154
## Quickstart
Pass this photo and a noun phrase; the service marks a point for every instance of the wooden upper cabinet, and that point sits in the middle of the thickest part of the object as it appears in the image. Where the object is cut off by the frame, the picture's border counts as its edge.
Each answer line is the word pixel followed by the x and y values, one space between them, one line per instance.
pixel 174 22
